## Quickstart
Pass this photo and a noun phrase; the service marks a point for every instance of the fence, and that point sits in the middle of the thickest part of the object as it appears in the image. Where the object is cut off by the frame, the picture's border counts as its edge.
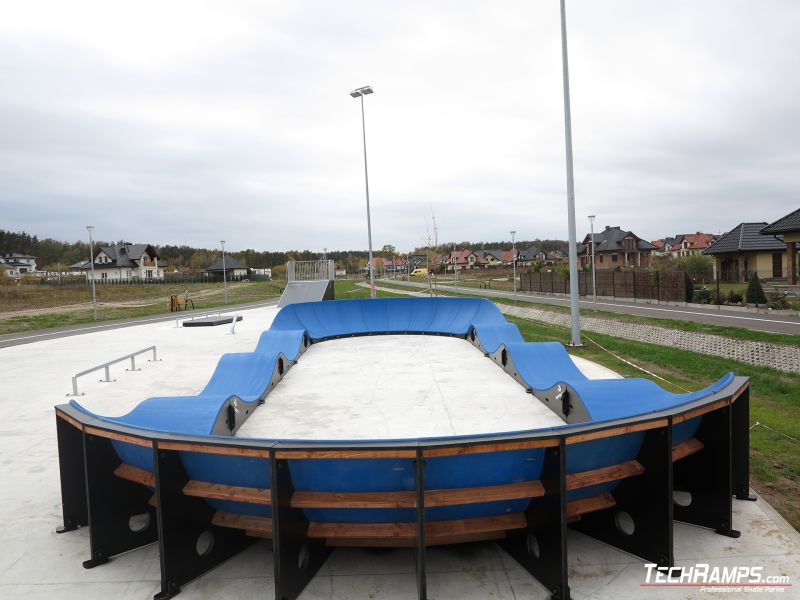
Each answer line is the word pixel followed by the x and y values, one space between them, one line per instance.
pixel 666 286
pixel 85 281
pixel 310 270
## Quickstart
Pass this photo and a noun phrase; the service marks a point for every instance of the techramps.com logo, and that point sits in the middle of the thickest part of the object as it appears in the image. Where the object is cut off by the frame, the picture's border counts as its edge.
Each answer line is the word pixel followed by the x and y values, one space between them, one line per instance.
pixel 720 580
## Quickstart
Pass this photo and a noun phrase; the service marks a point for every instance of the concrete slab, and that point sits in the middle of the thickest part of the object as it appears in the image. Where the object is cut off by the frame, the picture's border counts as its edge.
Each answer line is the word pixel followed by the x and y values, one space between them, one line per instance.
pixel 37 563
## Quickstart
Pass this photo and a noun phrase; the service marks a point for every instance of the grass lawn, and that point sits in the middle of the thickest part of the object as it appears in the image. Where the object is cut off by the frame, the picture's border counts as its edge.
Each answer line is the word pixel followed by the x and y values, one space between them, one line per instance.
pixel 146 300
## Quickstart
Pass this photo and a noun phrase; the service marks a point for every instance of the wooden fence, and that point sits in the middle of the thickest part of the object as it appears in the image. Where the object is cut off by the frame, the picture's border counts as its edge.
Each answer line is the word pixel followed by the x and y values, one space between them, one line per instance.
pixel 667 286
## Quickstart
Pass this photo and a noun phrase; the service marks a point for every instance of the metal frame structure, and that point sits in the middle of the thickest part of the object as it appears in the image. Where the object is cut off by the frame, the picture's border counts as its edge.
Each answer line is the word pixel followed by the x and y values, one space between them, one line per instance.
pixel 100 491
pixel 132 356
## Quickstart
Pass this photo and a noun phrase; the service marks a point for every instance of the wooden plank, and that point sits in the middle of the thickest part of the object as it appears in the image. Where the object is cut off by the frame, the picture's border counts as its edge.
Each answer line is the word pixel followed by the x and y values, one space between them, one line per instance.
pixel 214 449
pixel 219 491
pixel 259 534
pixel 489 493
pixel 434 529
pixel 135 474
pixel 583 479
pixel 576 508
pixel 484 448
pixel 75 423
pixel 700 410
pixel 686 448
pixel 120 437
pixel 409 543
pixel 333 454
pixel 361 530
pixel 476 525
pixel 614 431
pixel 739 392
pixel 354 500
pixel 260 525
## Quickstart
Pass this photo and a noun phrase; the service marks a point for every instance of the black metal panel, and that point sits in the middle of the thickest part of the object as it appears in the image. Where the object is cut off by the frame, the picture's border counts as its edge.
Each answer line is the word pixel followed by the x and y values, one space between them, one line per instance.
pixel 419 548
pixel 647 499
pixel 181 521
pixel 111 503
pixel 707 476
pixel 73 476
pixel 740 432
pixel 541 549
pixel 297 557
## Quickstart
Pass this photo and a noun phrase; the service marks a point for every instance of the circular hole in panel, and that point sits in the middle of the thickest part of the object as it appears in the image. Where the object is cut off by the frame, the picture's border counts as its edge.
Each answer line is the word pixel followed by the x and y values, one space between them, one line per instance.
pixel 472 334
pixel 504 357
pixel 280 366
pixel 681 498
pixel 533 546
pixel 624 523
pixel 305 341
pixel 302 557
pixel 204 543
pixel 140 522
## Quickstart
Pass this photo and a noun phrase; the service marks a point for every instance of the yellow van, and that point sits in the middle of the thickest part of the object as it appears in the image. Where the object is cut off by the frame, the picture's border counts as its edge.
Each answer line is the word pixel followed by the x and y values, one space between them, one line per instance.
pixel 419 272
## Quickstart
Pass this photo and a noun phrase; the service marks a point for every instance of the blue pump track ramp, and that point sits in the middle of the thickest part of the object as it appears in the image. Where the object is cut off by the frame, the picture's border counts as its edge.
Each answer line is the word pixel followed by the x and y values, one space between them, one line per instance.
pixel 608 464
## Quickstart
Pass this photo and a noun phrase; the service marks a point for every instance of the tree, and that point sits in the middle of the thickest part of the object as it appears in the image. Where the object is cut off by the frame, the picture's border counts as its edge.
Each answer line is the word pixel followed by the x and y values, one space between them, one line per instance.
pixel 755 293
pixel 696 266
pixel 389 249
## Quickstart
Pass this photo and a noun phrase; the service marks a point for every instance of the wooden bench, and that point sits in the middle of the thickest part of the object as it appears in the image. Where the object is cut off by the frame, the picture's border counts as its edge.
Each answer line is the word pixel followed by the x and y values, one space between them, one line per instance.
pixel 486 284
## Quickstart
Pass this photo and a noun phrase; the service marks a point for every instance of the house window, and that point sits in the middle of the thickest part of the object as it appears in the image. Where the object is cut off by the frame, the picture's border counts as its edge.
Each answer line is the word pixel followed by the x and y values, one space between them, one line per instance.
pixel 613 258
pixel 104 275
pixel 600 256
pixel 148 273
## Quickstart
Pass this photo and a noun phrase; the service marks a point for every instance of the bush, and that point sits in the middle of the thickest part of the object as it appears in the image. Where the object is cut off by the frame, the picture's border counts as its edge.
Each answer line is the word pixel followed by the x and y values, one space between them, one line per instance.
pixel 733 298
pixel 755 293
pixel 701 296
pixel 778 301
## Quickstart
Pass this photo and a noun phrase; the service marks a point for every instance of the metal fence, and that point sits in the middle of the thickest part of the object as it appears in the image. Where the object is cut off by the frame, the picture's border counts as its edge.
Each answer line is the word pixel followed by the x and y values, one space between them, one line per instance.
pixel 310 270
pixel 665 286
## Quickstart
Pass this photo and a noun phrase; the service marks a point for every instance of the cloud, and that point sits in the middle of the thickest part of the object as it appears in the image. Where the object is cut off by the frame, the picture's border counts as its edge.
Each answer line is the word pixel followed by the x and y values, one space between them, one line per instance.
pixel 195 121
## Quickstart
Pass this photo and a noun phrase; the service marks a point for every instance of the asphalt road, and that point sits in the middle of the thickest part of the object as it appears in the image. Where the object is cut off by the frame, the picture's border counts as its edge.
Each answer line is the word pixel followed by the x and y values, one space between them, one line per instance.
pixel 779 323
pixel 28 337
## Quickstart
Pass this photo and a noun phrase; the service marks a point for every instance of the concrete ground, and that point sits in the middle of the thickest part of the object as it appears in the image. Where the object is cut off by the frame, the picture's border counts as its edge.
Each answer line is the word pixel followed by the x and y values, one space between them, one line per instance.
pixel 35 562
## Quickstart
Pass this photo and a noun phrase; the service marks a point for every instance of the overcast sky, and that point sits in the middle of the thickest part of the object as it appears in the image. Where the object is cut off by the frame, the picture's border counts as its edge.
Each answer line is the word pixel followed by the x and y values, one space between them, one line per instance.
pixel 187 121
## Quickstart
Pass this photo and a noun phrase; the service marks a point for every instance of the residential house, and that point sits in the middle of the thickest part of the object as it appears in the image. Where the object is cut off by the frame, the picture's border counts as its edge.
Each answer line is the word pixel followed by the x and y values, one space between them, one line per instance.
pixel 16 265
pixel 234 269
pixel 690 243
pixel 789 228
pixel 123 262
pixel 395 265
pixel 490 258
pixel 460 260
pixel 553 258
pixel 529 257
pixel 745 250
pixel 614 248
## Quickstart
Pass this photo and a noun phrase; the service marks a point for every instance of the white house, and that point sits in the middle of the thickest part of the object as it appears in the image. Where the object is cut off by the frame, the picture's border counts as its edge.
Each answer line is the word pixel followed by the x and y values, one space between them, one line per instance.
pixel 16 265
pixel 124 262
pixel 234 269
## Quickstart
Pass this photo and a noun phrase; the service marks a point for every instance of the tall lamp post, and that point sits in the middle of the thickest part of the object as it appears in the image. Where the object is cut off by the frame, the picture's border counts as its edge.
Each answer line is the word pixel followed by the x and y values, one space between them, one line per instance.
pixel 594 278
pixel 90 228
pixel 224 274
pixel 514 262
pixel 573 250
pixel 360 93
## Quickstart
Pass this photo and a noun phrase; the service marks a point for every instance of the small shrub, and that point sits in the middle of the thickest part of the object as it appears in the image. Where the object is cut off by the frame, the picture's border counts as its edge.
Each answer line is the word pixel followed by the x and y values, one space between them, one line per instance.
pixel 778 301
pixel 755 293
pixel 733 297
pixel 701 296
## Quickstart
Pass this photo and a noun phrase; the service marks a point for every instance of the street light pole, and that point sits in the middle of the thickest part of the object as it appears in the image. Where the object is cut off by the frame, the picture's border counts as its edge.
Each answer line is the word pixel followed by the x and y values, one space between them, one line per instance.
pixel 573 250
pixel 360 93
pixel 514 263
pixel 90 228
pixel 224 274
pixel 594 278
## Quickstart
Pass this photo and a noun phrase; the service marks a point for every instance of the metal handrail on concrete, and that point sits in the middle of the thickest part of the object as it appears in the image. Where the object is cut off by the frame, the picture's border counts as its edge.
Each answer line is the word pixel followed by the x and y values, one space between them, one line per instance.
pixel 106 366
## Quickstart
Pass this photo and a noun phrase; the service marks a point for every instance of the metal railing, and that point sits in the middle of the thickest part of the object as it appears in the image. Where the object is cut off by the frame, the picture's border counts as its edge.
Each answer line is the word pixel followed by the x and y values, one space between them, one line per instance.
pixel 108 364
pixel 310 270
